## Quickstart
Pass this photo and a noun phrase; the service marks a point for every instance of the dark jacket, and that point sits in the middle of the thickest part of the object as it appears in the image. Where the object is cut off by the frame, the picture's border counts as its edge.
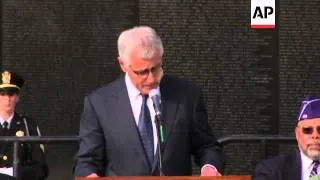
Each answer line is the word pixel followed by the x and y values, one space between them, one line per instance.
pixel 32 160
pixel 109 139
pixel 282 167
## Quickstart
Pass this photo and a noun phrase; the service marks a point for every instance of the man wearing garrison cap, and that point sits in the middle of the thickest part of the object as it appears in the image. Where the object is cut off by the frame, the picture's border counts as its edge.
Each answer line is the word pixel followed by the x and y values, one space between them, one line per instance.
pixel 32 160
pixel 303 164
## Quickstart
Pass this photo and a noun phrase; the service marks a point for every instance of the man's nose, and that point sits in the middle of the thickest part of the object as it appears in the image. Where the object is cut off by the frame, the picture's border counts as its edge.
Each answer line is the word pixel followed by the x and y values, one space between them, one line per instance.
pixel 316 134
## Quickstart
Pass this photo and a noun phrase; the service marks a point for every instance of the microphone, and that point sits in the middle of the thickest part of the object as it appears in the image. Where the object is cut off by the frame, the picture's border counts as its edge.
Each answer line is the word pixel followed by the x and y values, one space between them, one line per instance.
pixel 156 99
pixel 156 102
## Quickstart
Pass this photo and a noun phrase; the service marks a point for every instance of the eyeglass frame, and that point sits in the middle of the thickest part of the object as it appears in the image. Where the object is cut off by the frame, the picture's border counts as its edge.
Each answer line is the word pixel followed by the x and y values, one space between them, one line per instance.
pixel 145 72
pixel 309 130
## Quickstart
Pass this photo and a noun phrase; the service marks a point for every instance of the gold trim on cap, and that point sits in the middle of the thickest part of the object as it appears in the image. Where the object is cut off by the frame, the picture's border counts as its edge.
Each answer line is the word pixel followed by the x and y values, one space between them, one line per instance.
pixel 8 85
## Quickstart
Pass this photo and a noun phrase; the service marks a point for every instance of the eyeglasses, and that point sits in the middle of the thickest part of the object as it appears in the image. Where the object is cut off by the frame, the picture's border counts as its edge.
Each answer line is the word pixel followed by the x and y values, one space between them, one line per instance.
pixel 145 72
pixel 309 130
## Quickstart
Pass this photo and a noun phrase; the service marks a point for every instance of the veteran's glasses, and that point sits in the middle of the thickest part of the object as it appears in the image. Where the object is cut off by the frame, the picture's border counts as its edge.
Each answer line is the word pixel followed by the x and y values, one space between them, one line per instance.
pixel 310 130
pixel 145 72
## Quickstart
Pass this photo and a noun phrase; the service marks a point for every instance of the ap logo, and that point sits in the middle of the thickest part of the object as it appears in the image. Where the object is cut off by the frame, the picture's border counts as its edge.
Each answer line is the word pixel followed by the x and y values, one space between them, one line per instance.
pixel 263 13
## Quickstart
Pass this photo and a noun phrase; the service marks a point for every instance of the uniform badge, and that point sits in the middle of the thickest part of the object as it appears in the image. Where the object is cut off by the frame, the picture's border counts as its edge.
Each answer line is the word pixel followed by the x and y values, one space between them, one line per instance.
pixel 5 157
pixel 19 133
pixel 6 77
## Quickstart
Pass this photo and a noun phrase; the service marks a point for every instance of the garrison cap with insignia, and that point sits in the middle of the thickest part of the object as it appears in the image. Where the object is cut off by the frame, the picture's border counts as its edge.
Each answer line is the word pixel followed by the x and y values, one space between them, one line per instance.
pixel 310 108
pixel 10 82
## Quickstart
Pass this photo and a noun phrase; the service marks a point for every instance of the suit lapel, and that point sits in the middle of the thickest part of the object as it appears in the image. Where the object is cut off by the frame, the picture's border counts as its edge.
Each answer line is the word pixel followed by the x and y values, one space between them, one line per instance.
pixel 292 168
pixel 125 119
pixel 169 105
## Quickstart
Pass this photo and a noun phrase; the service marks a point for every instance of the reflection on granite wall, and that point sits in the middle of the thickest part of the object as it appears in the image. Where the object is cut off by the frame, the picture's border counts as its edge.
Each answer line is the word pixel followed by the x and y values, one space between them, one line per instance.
pixel 211 42
pixel 64 49
pixel 299 59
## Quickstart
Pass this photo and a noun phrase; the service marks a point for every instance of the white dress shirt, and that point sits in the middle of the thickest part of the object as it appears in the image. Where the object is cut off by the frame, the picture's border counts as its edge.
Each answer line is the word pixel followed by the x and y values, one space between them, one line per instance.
pixel 306 166
pixel 136 102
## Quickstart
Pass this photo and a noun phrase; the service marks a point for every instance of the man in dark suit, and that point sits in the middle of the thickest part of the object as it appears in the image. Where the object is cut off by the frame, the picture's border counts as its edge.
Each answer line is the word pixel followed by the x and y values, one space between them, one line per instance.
pixel 32 160
pixel 118 134
pixel 302 164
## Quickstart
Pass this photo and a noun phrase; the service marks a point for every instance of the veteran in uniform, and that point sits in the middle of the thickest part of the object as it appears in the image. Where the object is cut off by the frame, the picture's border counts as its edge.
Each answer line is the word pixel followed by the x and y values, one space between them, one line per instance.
pixel 32 160
pixel 303 163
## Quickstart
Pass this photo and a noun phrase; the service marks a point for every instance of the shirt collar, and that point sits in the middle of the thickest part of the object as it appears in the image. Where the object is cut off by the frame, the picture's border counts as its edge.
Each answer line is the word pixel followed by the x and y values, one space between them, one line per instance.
pixel 8 120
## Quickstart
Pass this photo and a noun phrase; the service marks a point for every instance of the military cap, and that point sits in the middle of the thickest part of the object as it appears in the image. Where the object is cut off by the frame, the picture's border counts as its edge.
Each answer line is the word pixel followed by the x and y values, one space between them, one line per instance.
pixel 309 108
pixel 10 82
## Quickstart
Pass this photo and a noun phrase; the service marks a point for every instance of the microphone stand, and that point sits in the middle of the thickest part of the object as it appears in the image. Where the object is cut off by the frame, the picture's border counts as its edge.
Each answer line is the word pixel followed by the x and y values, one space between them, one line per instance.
pixel 160 136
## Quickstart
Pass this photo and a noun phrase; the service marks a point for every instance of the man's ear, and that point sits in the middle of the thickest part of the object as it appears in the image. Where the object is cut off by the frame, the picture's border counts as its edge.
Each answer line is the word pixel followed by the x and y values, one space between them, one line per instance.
pixel 123 65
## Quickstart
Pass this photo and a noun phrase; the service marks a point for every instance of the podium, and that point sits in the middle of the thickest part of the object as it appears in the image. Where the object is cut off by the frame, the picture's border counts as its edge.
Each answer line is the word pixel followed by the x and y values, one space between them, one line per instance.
pixel 169 178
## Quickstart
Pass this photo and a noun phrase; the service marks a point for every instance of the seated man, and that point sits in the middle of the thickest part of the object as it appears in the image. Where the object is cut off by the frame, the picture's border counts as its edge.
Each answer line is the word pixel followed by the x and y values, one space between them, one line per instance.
pixel 303 163
pixel 32 160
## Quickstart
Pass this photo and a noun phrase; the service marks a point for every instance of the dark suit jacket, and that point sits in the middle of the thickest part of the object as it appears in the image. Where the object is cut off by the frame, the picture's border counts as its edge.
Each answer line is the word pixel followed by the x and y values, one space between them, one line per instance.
pixel 32 161
pixel 283 167
pixel 109 139
pixel 7 177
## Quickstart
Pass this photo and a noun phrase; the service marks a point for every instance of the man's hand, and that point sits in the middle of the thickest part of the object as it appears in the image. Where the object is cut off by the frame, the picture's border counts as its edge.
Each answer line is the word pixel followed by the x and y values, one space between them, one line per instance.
pixel 209 171
pixel 92 175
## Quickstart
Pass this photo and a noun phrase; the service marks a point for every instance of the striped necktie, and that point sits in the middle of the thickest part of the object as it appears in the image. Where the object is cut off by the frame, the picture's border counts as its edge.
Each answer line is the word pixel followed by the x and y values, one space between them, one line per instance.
pixel 314 168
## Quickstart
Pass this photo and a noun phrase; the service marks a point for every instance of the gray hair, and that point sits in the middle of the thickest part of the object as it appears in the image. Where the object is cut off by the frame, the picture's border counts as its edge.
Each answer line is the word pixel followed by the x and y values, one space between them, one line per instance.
pixel 141 36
